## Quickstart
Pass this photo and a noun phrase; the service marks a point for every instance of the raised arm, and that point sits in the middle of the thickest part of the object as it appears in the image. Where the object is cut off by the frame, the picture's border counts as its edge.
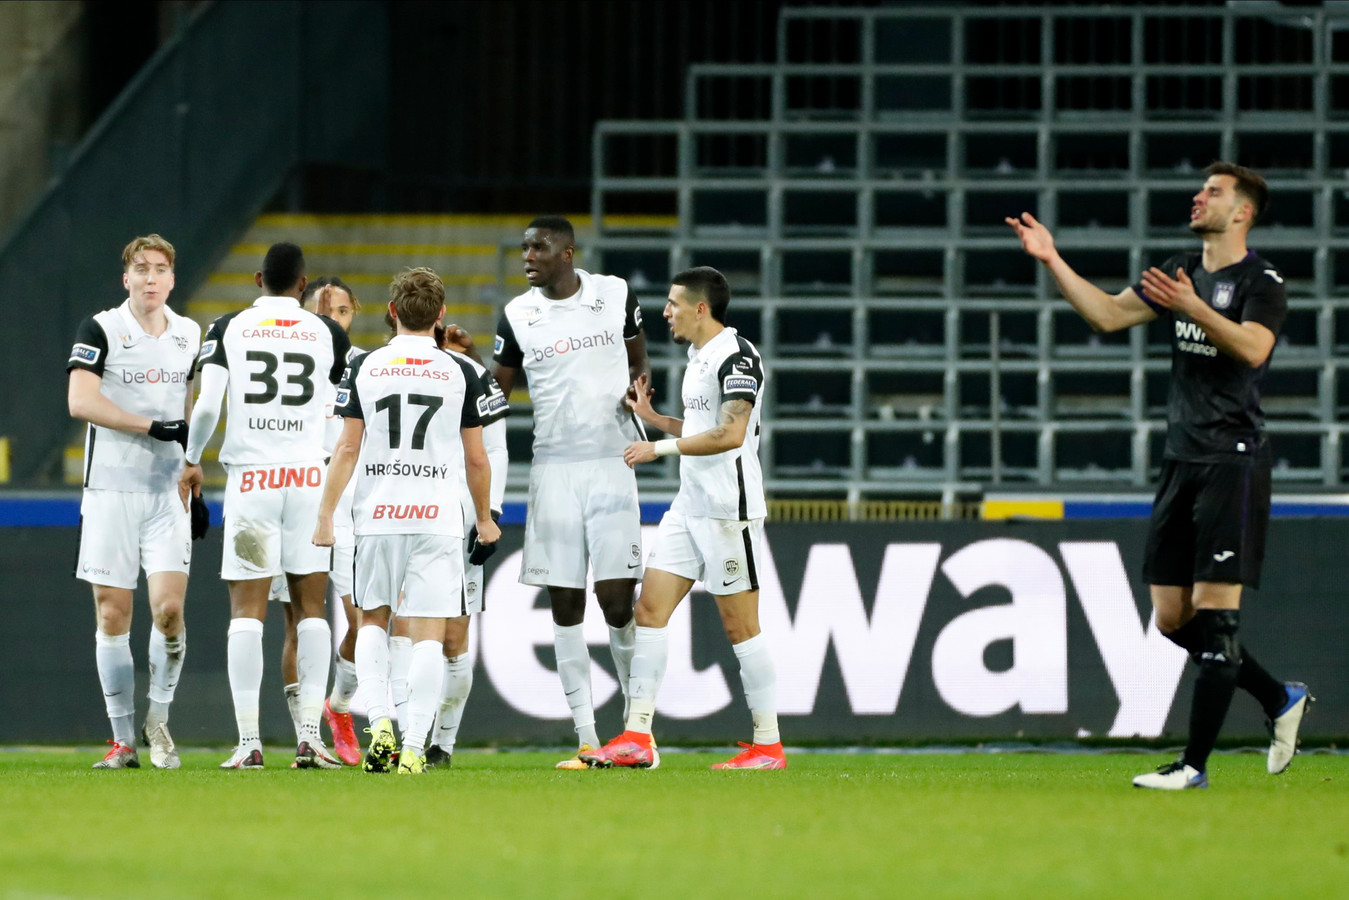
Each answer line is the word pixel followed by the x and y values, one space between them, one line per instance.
pixel 1103 312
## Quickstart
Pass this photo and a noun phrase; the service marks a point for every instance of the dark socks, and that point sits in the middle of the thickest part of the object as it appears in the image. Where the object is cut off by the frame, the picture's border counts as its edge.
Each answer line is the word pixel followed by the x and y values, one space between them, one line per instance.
pixel 1251 676
pixel 1219 661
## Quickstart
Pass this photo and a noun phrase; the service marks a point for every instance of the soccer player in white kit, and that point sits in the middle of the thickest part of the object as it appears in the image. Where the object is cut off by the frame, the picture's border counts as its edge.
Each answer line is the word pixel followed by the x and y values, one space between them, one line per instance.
pixel 128 378
pixel 272 358
pixel 713 529
pixel 411 410
pixel 578 337
pixel 334 298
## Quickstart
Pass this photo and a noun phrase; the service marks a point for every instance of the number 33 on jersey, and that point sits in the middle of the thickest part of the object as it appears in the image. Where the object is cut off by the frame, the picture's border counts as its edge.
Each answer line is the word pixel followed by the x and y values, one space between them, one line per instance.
pixel 278 355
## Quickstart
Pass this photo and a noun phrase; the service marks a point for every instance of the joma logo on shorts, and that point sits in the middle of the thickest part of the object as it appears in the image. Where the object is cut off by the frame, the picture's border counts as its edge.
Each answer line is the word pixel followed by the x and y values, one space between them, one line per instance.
pixel 410 511
pixel 273 479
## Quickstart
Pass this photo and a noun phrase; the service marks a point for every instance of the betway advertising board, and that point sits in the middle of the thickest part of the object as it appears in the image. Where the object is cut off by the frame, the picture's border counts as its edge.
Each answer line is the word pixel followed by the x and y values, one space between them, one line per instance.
pixel 924 631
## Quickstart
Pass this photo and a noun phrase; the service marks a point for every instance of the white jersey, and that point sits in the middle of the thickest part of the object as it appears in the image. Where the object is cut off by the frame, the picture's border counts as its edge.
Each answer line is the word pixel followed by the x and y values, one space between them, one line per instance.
pixel 726 485
pixel 414 399
pixel 279 357
pixel 332 431
pixel 144 375
pixel 492 412
pixel 575 358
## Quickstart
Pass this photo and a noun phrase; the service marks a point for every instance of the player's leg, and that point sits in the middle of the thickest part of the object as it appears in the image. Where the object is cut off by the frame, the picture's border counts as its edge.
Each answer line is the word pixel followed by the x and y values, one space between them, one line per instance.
pixel 337 708
pixel 166 554
pixel 433 591
pixel 248 610
pixel 290 676
pixel 613 532
pixel 168 648
pixel 313 650
pixel 378 577
pixel 739 546
pixel 458 682
pixel 109 561
pixel 116 673
pixel 250 558
pixel 555 557
pixel 400 661
pixel 675 563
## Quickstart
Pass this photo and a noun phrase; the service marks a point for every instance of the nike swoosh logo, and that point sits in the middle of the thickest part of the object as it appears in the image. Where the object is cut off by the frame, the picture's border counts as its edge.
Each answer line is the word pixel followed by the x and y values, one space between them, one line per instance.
pixel 633 565
pixel 569 693
pixel 729 583
pixel 1224 556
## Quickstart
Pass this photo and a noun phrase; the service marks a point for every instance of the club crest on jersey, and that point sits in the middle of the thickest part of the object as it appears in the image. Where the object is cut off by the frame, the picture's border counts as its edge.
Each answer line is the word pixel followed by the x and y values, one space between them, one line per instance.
pixel 180 342
pixel 635 552
pixel 1222 294
pixel 597 305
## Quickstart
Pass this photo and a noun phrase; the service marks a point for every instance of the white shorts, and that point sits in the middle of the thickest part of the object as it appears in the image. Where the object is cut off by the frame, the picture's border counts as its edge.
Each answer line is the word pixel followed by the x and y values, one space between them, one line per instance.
pixel 428 568
pixel 269 530
pixel 581 512
pixel 721 553
pixel 122 532
pixel 344 551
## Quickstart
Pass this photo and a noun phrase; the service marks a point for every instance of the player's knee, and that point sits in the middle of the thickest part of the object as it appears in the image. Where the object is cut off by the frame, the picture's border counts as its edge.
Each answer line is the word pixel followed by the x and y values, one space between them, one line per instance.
pixel 738 630
pixel 650 615
pixel 1220 655
pixel 169 617
pixel 569 606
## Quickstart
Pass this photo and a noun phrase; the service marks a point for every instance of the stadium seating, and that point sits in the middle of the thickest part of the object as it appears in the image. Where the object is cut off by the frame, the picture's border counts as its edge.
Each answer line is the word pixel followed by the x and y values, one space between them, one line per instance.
pixel 854 192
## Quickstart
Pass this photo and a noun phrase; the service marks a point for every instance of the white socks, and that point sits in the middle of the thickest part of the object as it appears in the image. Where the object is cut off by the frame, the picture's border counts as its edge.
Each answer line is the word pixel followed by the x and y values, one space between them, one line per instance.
pixel 651 651
pixel 424 678
pixel 759 679
pixel 292 692
pixel 344 685
pixel 458 683
pixel 313 650
pixel 372 670
pixel 166 664
pixel 244 655
pixel 400 660
pixel 621 645
pixel 116 673
pixel 573 667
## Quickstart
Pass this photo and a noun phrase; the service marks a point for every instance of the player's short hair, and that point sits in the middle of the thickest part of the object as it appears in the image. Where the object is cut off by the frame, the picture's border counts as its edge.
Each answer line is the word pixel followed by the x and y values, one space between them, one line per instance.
pixel 709 284
pixel 556 224
pixel 282 267
pixel 146 242
pixel 312 289
pixel 418 297
pixel 1250 184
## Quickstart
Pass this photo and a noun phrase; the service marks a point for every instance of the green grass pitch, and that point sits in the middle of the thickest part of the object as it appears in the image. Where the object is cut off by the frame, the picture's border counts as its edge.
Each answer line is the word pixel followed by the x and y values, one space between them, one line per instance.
pixel 508 825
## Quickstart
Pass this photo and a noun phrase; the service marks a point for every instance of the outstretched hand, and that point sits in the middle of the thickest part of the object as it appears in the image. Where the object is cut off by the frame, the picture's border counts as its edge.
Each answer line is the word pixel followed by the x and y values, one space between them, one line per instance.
pixel 1035 238
pixel 1174 293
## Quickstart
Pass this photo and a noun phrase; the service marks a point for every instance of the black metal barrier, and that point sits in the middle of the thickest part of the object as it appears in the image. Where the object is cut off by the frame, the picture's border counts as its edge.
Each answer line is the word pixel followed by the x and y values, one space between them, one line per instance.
pixel 898 632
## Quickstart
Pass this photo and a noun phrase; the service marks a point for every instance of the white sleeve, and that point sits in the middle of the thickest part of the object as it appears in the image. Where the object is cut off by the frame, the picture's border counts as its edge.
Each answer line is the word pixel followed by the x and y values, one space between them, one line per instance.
pixel 206 413
pixel 494 442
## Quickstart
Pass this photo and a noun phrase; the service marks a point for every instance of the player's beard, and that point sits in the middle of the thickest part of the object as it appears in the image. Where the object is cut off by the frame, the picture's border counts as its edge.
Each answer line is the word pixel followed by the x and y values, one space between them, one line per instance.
pixel 1201 227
